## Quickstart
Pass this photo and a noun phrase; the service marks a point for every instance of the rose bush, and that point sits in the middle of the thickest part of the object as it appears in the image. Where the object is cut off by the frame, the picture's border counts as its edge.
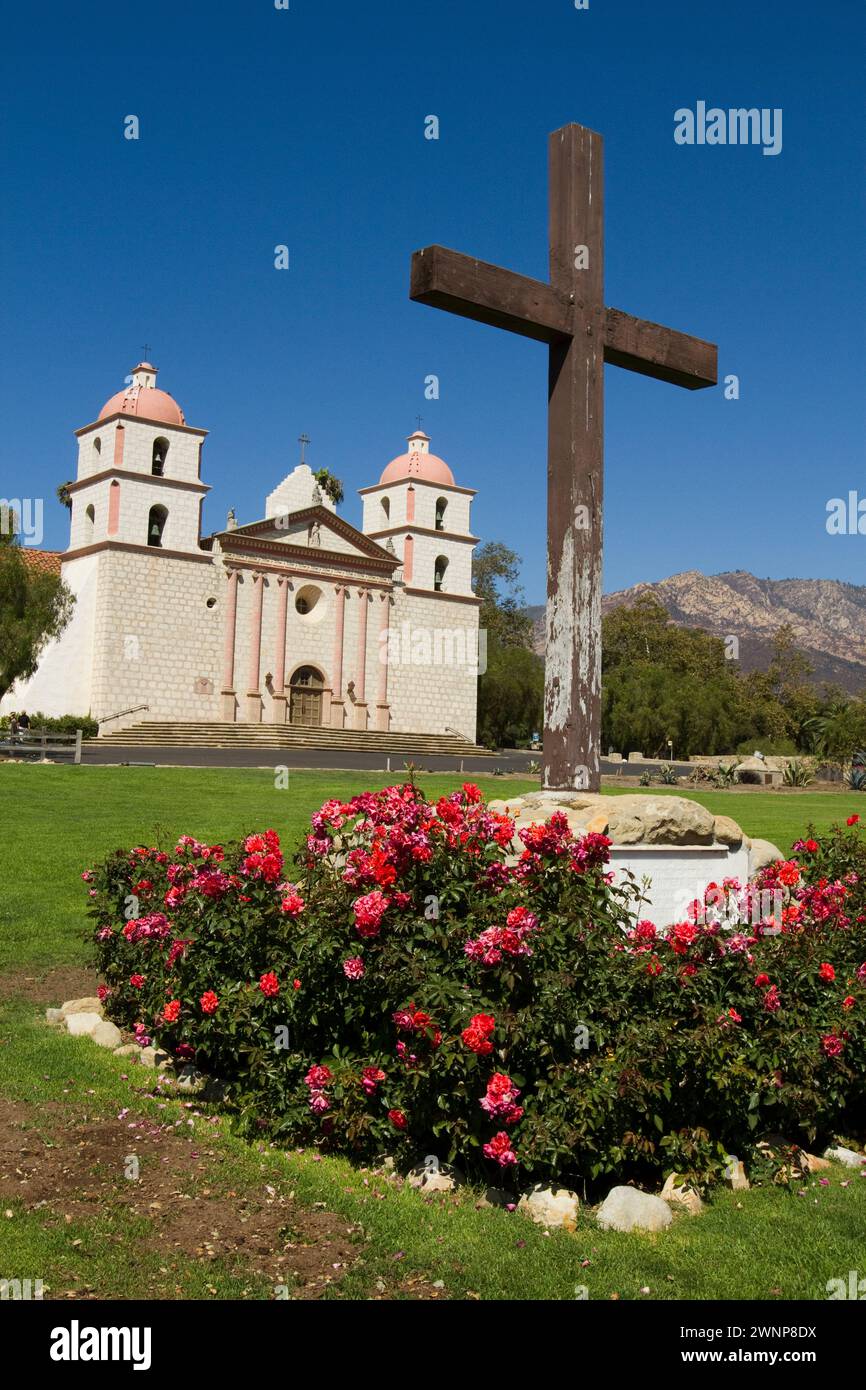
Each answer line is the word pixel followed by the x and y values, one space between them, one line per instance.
pixel 412 986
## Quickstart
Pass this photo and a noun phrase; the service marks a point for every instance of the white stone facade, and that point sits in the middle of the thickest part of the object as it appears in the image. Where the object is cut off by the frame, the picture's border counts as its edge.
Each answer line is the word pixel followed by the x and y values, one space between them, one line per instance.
pixel 298 617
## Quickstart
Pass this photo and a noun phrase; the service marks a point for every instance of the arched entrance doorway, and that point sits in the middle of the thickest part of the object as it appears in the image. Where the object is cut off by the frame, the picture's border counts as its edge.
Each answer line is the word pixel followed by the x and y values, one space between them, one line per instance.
pixel 305 703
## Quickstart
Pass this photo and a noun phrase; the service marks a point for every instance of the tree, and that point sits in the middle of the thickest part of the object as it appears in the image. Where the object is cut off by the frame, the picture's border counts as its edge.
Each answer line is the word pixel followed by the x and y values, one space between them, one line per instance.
pixel 510 695
pixel 782 699
pixel 496 581
pixel 644 634
pixel 511 691
pixel 34 607
pixel 644 705
pixel 838 730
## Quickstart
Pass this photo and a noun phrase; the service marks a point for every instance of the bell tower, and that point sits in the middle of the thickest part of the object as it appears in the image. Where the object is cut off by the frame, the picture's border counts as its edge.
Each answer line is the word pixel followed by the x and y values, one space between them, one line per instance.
pixel 138 480
pixel 419 508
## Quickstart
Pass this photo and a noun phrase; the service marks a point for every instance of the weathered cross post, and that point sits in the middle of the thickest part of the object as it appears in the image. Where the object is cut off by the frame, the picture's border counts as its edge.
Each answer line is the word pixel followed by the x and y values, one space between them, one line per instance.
pixel 569 314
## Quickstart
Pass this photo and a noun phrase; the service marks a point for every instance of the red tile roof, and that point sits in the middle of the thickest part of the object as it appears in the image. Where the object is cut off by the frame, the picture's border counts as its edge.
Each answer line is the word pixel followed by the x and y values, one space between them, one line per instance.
pixel 46 561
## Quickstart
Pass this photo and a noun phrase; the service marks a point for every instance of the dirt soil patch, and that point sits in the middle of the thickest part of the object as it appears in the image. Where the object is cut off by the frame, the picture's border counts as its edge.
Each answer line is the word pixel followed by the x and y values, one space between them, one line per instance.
pixel 50 987
pixel 76 1171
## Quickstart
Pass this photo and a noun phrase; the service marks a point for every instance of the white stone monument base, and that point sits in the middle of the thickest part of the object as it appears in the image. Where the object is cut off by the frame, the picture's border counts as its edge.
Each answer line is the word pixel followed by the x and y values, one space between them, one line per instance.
pixel 674 843
pixel 678 875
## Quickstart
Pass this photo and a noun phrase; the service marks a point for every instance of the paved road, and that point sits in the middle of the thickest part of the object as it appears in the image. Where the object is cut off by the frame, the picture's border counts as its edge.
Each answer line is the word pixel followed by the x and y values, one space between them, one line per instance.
pixel 299 758
pixel 516 761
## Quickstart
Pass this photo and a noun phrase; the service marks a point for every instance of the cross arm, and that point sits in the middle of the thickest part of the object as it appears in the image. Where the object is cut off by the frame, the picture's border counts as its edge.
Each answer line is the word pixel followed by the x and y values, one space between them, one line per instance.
pixel 660 352
pixel 477 290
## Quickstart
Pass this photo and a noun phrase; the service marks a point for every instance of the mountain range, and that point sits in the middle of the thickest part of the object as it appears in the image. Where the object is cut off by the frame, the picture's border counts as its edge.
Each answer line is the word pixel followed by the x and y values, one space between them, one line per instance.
pixel 828 617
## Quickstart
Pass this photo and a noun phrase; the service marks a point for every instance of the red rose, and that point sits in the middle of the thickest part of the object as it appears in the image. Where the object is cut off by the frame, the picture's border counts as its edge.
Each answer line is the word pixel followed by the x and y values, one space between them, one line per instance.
pixel 398 1119
pixel 269 984
pixel 209 1002
pixel 827 972
pixel 853 820
pixel 171 1012
pixel 811 846
pixel 476 1041
pixel 136 981
pixel 499 1149
pixel 771 999
pixel 477 1035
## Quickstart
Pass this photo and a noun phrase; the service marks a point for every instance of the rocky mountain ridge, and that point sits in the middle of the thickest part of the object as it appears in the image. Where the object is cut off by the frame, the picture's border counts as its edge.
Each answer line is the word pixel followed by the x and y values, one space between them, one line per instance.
pixel 828 617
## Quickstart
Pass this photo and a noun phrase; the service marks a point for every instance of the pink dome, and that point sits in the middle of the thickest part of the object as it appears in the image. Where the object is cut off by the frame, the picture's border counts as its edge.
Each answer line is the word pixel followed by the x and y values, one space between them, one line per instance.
pixel 144 399
pixel 419 463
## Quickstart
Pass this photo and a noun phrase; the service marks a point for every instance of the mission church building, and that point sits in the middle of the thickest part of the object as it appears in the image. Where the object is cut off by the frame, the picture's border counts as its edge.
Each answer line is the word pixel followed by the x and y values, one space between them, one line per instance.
pixel 298 618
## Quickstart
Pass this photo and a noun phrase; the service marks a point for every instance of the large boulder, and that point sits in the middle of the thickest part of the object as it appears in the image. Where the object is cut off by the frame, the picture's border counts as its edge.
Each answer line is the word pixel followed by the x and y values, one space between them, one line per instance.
pixel 728 832
pixel 811 1163
pixel 627 1209
pixel 557 801
pixel 735 1174
pixel 632 819
pixel 89 1005
pixel 762 853
pixel 659 820
pixel 189 1078
pixel 107 1034
pixel 551 1206
pixel 430 1177
pixel 681 1195
pixel 849 1157
pixel 81 1025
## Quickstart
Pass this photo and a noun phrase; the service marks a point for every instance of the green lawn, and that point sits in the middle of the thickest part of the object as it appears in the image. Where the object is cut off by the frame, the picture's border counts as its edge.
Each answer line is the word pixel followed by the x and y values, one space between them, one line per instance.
pixel 57 820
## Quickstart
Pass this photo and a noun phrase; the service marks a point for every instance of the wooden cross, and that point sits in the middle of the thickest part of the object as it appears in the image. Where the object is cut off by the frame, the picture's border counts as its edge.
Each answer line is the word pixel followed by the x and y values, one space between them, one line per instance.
pixel 569 314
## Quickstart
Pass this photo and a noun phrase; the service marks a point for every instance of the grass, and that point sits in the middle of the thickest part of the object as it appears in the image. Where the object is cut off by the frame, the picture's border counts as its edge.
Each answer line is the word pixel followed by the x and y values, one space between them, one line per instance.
pixel 765 1244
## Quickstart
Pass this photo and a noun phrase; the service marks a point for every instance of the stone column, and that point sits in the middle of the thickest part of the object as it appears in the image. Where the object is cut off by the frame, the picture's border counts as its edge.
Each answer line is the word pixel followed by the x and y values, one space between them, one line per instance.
pixel 279 709
pixel 229 699
pixel 361 675
pixel 383 713
pixel 254 694
pixel 338 704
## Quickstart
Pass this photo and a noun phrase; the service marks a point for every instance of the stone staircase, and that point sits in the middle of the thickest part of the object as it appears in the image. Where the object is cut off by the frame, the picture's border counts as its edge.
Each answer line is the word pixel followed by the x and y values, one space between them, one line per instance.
pixel 200 734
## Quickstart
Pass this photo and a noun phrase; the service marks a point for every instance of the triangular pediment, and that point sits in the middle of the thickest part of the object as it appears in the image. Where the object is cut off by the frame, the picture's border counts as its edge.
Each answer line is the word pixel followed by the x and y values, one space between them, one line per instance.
pixel 313 531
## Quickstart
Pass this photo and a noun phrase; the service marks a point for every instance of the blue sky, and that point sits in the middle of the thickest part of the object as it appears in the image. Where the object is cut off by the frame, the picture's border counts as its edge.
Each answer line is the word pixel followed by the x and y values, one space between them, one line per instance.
pixel 306 127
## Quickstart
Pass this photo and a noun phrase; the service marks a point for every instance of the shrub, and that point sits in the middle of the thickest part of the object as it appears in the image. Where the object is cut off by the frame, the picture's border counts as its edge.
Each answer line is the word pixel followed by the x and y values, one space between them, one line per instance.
pixel 856 775
pixel 413 991
pixel 797 774
pixel 58 724
pixel 725 775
